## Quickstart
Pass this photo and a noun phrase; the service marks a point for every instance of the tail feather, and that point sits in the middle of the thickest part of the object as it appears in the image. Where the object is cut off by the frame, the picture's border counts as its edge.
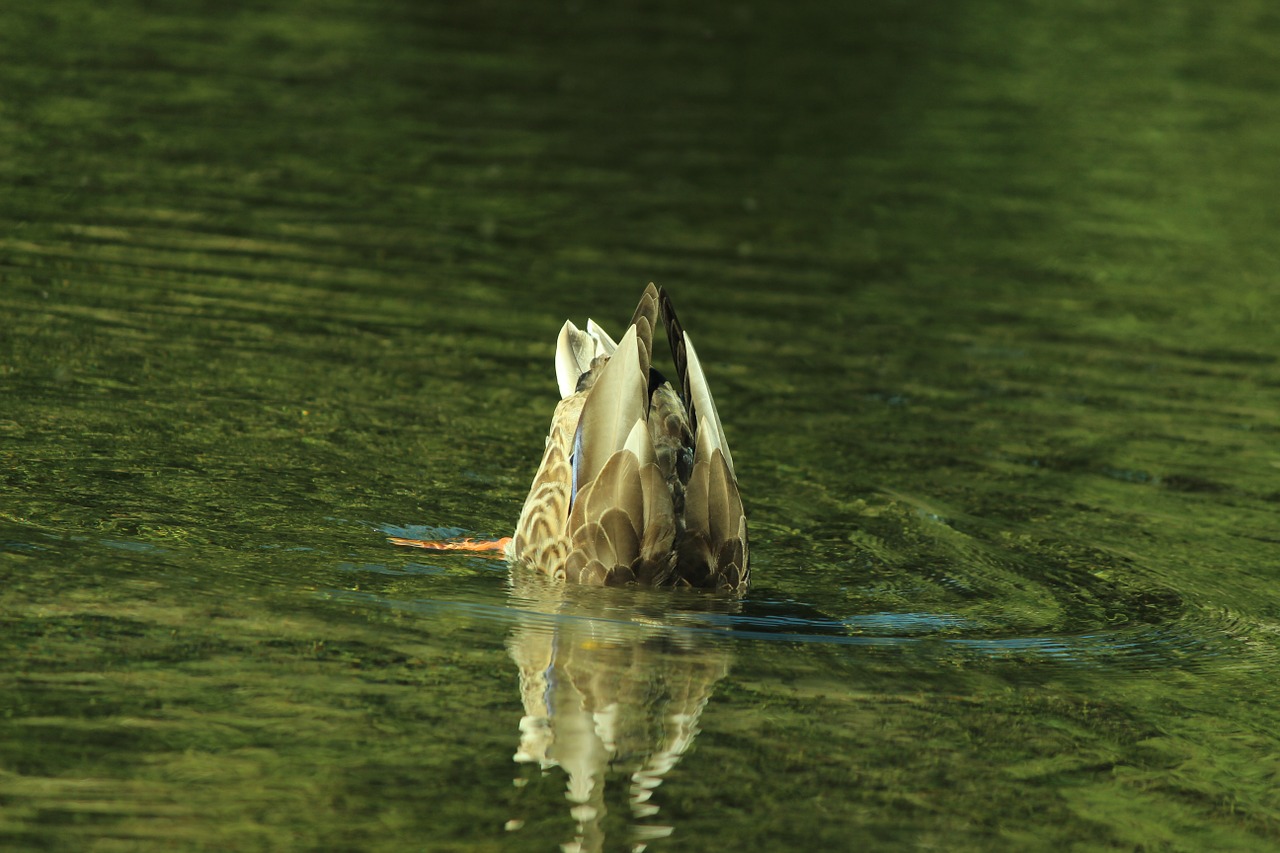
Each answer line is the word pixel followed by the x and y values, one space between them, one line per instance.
pixel 700 398
pixel 575 350
pixel 675 340
pixel 605 343
pixel 616 402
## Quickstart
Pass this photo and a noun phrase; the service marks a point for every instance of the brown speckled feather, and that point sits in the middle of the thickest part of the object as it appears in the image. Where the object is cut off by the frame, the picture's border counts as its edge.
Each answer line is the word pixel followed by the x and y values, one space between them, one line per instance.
pixel 645 321
pixel 633 487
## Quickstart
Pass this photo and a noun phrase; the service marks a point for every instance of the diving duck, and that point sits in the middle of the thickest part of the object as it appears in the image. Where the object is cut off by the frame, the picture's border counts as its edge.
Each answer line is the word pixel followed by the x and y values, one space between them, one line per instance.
pixel 636 484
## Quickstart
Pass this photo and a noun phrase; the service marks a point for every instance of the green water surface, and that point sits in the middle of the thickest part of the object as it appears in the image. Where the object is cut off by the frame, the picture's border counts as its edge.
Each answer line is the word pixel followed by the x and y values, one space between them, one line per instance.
pixel 987 293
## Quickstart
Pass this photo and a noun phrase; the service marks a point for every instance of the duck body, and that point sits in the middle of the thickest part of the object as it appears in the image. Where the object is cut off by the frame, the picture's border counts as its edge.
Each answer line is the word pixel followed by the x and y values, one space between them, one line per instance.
pixel 636 484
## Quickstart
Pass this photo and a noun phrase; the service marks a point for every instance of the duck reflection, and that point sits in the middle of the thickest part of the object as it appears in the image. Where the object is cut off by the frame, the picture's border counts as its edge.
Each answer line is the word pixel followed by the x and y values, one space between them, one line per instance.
pixel 613 683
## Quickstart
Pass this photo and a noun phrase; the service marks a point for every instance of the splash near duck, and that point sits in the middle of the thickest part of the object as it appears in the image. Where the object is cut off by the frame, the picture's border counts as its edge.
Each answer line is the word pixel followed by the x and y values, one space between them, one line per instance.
pixel 636 484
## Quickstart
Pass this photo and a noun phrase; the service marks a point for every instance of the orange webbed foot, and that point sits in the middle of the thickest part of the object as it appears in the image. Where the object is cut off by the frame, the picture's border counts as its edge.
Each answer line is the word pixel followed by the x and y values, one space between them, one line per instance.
pixel 495 548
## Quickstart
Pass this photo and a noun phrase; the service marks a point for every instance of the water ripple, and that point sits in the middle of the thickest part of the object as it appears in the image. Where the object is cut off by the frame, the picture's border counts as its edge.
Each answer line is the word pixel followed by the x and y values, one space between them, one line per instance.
pixel 1132 647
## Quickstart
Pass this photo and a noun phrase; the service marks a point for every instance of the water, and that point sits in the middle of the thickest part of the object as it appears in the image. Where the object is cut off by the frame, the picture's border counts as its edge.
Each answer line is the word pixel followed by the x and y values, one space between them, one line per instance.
pixel 986 294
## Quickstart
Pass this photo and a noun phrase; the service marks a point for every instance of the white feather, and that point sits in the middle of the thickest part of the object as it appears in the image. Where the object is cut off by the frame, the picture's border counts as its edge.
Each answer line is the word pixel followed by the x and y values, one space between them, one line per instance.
pixel 607 344
pixel 704 407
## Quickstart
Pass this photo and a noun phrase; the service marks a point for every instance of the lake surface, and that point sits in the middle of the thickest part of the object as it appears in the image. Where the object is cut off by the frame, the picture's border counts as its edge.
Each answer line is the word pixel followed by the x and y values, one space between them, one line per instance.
pixel 988 297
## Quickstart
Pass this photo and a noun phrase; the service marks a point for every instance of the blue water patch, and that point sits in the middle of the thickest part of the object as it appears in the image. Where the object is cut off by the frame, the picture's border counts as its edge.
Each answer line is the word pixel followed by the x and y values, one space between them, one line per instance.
pixel 22 547
pixel 423 531
pixel 136 547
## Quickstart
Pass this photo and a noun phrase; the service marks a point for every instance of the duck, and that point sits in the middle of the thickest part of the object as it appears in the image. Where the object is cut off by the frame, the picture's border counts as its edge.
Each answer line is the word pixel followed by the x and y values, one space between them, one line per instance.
pixel 636 485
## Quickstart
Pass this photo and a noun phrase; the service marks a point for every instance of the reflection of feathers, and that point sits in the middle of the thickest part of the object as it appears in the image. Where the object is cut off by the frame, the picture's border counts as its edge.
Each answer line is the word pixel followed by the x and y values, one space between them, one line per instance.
pixel 636 483
pixel 619 693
